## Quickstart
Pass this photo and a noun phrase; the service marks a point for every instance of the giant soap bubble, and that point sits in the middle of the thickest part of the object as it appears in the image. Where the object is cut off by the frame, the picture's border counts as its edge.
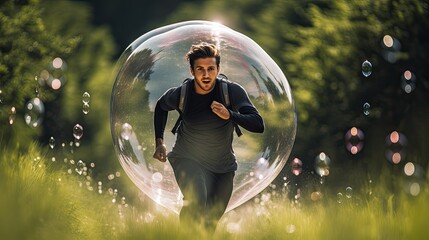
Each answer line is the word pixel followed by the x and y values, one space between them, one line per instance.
pixel 154 63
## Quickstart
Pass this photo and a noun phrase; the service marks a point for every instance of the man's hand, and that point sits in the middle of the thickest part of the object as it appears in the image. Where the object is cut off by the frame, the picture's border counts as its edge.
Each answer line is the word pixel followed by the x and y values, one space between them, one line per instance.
pixel 160 150
pixel 220 110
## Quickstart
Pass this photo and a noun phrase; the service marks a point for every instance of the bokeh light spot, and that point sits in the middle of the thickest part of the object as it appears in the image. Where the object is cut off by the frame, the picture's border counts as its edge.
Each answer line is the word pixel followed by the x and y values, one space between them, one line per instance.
pixel 388 41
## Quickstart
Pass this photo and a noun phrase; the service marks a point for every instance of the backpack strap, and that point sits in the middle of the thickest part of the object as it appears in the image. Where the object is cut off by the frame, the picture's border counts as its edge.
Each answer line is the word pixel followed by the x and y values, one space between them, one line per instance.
pixel 182 103
pixel 224 93
pixel 226 101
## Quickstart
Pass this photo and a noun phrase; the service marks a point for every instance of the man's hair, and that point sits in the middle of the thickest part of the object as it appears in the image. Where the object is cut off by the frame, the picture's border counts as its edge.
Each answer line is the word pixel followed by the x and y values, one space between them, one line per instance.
pixel 203 50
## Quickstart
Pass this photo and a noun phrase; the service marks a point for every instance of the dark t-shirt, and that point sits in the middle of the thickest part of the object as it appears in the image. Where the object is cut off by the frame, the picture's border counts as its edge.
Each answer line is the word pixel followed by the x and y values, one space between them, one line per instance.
pixel 203 136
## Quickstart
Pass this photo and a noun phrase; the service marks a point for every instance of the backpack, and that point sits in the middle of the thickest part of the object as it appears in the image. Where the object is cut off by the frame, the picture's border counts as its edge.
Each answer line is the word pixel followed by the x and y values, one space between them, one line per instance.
pixel 225 100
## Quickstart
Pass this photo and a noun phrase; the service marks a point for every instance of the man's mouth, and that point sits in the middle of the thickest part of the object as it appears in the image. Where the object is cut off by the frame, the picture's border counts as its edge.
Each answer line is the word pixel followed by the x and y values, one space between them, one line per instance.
pixel 206 81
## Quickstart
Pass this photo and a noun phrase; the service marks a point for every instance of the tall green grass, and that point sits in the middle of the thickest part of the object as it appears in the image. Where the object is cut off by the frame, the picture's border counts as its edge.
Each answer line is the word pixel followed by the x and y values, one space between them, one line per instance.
pixel 40 201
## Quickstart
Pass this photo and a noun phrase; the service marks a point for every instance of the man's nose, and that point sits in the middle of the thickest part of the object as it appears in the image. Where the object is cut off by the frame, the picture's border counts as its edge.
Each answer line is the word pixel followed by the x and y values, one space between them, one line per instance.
pixel 205 72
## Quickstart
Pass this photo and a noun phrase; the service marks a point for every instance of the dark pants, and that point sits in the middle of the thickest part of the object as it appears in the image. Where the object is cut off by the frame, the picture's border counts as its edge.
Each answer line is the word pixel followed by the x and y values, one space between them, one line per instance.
pixel 206 194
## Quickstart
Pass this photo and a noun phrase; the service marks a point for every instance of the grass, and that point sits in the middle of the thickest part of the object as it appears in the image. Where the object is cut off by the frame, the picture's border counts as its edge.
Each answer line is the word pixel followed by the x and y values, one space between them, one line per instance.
pixel 41 201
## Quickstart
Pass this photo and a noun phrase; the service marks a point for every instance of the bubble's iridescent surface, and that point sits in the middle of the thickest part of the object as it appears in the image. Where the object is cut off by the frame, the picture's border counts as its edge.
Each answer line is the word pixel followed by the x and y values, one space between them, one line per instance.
pixel 366 68
pixel 154 63
pixel 34 110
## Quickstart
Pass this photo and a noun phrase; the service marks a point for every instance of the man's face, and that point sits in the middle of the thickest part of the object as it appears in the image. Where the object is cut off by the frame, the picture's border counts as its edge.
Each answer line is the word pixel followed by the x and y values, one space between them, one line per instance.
pixel 205 72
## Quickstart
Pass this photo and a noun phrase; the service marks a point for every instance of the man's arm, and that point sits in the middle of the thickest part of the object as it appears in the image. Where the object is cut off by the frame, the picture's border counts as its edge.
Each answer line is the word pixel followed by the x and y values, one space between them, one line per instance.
pixel 167 102
pixel 248 118
pixel 160 120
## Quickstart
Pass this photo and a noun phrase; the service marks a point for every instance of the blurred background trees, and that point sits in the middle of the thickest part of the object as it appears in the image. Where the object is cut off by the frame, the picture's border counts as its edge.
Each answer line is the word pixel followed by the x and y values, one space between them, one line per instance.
pixel 320 46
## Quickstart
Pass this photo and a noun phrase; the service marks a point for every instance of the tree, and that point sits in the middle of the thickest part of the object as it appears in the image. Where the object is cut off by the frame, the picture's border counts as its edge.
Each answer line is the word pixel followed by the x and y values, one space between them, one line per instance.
pixel 26 48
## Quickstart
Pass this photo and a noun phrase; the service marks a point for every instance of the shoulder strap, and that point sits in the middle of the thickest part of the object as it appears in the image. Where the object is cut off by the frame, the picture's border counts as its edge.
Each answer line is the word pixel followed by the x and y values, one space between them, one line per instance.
pixel 224 93
pixel 183 91
pixel 226 101
pixel 182 103
pixel 223 79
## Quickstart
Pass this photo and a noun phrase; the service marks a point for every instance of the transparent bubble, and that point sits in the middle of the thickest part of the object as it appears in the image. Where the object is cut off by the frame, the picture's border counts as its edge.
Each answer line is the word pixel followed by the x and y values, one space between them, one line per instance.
pixel 366 107
pixel 366 68
pixel 390 48
pixel 80 167
pixel 77 131
pixel 57 67
pixel 340 197
pixel 85 108
pixel 34 110
pixel 396 143
pixel 296 166
pixel 52 142
pixel 354 140
pixel 321 164
pixel 408 81
pixel 12 115
pixel 349 192
pixel 86 97
pixel 154 63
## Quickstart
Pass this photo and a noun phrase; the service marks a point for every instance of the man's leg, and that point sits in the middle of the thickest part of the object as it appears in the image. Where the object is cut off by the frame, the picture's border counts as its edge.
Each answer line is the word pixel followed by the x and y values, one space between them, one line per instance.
pixel 191 180
pixel 219 193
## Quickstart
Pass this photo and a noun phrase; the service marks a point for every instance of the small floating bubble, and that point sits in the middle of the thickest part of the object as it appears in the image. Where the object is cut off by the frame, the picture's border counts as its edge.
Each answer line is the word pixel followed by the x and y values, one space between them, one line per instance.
pixel 354 140
pixel 396 143
pixel 52 142
pixel 349 192
pixel 77 131
pixel 86 97
pixel 34 110
pixel 366 68
pixel 296 166
pixel 12 115
pixel 322 163
pixel 1 97
pixel 340 197
pixel 366 107
pixel 85 108
pixel 80 167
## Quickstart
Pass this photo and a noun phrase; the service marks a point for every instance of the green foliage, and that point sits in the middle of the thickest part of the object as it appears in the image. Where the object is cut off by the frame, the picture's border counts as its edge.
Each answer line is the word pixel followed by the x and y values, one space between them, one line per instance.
pixel 26 47
pixel 89 69
pixel 321 45
pixel 39 202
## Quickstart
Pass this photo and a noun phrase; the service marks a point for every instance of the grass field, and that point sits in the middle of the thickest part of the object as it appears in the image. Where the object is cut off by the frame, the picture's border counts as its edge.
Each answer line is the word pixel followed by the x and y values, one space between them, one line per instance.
pixel 41 201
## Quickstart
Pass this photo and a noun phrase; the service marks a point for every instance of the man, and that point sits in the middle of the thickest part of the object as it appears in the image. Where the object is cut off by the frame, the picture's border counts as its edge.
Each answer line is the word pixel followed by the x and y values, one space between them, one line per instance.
pixel 202 158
